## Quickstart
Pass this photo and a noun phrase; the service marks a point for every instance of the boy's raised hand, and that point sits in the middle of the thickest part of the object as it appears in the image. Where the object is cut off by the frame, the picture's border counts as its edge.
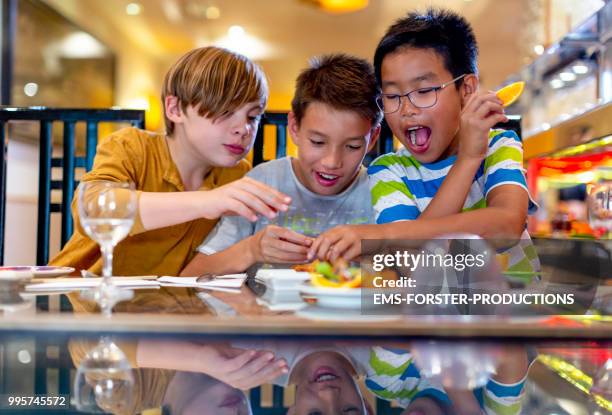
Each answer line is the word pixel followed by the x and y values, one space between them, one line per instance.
pixel 245 197
pixel 481 112
pixel 241 368
pixel 277 245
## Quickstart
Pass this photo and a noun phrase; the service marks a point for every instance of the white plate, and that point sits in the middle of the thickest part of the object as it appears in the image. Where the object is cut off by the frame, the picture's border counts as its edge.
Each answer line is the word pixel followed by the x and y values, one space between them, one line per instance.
pixel 314 312
pixel 339 298
pixel 40 271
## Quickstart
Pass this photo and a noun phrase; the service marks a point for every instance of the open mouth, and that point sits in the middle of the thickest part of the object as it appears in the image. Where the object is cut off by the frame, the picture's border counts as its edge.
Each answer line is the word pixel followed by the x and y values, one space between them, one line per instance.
pixel 324 374
pixel 418 138
pixel 326 179
pixel 234 149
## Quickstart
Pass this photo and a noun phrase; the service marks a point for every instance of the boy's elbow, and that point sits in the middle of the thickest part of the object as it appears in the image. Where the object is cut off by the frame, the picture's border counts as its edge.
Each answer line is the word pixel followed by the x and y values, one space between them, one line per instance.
pixel 513 226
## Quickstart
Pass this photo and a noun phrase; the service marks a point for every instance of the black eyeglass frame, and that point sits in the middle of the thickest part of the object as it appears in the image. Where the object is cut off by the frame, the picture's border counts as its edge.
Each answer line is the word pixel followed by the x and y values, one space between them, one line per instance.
pixel 409 94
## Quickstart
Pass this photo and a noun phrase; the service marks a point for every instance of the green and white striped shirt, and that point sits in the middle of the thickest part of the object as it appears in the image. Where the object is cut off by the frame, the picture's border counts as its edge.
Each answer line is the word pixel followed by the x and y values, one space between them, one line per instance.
pixel 402 187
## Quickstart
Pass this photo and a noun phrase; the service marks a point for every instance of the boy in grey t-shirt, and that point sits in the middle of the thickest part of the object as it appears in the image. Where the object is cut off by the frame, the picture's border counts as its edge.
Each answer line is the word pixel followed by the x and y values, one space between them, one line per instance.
pixel 334 122
pixel 311 213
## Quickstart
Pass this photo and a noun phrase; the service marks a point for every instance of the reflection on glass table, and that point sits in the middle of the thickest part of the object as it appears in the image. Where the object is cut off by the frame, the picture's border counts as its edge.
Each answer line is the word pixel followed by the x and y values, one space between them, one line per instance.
pixel 180 376
pixel 104 381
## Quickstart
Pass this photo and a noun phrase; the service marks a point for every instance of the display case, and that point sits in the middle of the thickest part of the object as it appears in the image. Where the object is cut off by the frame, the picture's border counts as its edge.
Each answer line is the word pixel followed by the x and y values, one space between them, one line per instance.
pixel 567 128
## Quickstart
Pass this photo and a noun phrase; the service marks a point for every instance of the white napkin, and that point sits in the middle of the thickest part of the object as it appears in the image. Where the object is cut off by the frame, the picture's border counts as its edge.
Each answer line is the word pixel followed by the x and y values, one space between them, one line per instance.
pixel 63 284
pixel 226 283
pixel 282 278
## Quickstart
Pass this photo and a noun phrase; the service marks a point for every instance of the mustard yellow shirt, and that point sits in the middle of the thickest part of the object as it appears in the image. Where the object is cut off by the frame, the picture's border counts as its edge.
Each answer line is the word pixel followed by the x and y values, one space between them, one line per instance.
pixel 142 157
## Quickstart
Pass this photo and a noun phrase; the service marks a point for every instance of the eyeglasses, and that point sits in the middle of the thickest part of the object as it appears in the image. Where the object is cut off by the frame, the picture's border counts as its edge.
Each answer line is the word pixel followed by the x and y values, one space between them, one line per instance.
pixel 420 98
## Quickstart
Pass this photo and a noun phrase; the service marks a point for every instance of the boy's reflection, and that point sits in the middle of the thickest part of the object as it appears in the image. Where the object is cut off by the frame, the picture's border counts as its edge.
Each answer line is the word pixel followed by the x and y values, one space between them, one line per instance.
pixel 190 393
pixel 192 378
pixel 326 384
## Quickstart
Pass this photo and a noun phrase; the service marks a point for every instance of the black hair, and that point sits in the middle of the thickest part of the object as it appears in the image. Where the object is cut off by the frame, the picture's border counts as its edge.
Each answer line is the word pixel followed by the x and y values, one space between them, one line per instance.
pixel 446 32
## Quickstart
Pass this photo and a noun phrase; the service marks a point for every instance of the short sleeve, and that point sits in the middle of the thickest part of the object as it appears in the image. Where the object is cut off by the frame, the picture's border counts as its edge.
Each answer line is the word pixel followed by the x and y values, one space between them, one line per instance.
pixel 499 398
pixel 391 374
pixel 392 201
pixel 118 158
pixel 504 164
pixel 229 231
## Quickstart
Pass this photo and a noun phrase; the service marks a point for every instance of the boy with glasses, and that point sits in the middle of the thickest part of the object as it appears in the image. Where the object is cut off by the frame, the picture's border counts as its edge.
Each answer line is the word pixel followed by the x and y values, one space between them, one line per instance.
pixel 426 67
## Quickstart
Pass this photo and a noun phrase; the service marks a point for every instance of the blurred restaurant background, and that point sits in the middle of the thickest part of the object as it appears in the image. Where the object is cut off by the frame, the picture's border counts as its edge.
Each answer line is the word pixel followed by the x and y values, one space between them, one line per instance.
pixel 114 53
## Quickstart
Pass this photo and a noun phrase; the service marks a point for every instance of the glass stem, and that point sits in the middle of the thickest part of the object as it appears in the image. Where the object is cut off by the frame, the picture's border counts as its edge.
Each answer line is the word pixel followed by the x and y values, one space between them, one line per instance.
pixel 107 261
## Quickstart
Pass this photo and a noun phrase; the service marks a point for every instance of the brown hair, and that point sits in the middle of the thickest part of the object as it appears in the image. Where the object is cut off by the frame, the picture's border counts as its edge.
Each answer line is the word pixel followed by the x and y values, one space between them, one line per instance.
pixel 215 81
pixel 341 81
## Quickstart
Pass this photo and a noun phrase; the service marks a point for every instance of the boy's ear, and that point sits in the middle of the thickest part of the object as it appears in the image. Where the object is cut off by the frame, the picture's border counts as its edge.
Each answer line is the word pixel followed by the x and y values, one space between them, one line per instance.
pixel 172 107
pixel 292 124
pixel 468 87
pixel 374 135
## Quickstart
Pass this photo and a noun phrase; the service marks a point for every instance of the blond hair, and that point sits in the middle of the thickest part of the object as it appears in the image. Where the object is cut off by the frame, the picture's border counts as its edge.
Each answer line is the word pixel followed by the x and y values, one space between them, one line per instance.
pixel 215 81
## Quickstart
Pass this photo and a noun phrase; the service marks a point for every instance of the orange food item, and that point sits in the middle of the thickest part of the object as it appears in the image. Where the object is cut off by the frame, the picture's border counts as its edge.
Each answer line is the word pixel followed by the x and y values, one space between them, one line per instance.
pixel 510 93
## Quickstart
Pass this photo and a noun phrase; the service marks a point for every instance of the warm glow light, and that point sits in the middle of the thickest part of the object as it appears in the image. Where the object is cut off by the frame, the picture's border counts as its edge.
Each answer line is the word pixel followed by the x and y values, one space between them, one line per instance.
pixel 343 6
pixel 30 89
pixel 580 69
pixel 567 76
pixel 236 31
pixel 557 83
pixel 213 12
pixel 133 9
pixel 240 41
pixel 538 49
pixel 140 103
pixel 81 45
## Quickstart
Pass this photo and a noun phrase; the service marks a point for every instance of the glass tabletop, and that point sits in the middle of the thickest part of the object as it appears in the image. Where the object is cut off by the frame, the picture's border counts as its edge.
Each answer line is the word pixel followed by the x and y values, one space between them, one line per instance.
pixel 194 374
pixel 184 350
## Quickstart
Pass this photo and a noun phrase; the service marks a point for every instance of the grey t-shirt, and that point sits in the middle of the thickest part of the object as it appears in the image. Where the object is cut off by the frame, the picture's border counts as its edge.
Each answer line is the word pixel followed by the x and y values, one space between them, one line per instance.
pixel 309 214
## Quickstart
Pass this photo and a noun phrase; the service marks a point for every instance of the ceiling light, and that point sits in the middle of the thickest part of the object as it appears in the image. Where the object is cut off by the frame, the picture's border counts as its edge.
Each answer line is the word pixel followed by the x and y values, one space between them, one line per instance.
pixel 236 31
pixel 342 6
pixel 30 89
pixel 538 49
pixel 580 69
pixel 213 12
pixel 172 11
pixel 24 357
pixel 567 76
pixel 133 9
pixel 557 83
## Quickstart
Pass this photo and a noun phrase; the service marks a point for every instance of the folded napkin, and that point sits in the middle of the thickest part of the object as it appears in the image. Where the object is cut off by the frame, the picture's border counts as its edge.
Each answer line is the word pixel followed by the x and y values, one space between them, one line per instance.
pixel 227 283
pixel 281 278
pixel 63 284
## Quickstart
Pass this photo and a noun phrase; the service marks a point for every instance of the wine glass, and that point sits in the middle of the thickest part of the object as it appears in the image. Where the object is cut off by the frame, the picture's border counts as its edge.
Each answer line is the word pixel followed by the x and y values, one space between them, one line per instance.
pixel 107 210
pixel 104 381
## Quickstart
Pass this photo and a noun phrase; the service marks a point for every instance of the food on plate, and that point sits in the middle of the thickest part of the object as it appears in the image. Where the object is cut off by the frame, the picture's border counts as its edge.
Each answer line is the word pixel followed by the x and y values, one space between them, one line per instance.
pixel 336 275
